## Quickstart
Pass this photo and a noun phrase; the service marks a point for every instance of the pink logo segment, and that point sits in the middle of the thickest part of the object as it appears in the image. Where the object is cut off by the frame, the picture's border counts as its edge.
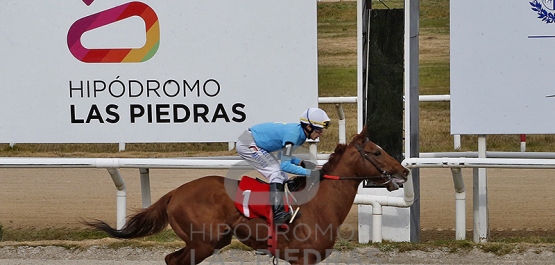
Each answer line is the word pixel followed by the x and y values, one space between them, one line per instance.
pixel 121 55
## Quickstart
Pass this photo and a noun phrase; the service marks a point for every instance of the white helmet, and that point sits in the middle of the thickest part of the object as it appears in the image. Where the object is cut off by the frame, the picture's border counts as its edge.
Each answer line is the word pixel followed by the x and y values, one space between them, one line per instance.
pixel 316 117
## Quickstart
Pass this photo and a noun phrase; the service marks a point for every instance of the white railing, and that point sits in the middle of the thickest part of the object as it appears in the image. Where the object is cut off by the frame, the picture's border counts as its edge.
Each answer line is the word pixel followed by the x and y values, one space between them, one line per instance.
pixel 144 164
pixel 455 163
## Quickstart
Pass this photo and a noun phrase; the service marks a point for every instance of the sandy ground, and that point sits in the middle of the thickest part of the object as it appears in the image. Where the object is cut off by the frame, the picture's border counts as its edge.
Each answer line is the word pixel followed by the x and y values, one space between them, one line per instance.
pixel 521 204
pixel 59 198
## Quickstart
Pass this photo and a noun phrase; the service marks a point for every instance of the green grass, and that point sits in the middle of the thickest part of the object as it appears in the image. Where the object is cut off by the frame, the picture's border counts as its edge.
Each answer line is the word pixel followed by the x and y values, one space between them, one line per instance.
pixel 434 79
pixel 19 235
pixel 435 14
pixel 169 239
pixel 337 82
pixel 30 235
pixel 337 13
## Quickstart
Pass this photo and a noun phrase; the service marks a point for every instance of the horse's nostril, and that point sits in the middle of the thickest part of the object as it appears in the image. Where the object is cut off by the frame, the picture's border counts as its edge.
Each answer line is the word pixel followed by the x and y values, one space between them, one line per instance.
pixel 406 172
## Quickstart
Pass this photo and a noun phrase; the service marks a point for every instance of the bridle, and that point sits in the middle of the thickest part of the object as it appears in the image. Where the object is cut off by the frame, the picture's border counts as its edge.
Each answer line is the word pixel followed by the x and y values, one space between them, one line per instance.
pixel 364 154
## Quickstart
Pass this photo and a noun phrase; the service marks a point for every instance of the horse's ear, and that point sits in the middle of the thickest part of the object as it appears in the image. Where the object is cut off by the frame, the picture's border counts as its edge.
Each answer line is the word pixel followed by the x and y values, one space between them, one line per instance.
pixel 361 136
pixel 363 132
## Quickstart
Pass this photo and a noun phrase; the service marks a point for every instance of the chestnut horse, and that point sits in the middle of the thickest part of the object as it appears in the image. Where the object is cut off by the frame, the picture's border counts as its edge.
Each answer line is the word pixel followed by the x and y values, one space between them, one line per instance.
pixel 202 212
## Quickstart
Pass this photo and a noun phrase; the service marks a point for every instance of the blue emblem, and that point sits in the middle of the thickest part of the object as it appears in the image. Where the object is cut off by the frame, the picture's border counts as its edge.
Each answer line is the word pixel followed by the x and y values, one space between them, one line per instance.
pixel 544 9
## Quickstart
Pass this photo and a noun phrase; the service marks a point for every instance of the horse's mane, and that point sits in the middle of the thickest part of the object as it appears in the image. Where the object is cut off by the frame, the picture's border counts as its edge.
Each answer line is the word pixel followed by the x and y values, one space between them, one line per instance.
pixel 339 151
pixel 334 158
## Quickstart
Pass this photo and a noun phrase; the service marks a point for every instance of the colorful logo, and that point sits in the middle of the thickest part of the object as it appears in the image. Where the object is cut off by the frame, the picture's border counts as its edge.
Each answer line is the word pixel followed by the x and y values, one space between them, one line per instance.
pixel 544 9
pixel 106 17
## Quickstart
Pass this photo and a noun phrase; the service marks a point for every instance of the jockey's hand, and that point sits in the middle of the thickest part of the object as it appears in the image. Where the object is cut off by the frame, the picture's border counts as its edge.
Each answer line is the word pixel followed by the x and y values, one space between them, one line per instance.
pixel 293 184
pixel 308 165
pixel 316 173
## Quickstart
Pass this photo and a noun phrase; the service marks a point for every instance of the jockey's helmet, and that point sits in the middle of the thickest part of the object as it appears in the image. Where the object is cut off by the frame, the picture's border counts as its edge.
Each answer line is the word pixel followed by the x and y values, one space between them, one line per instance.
pixel 316 117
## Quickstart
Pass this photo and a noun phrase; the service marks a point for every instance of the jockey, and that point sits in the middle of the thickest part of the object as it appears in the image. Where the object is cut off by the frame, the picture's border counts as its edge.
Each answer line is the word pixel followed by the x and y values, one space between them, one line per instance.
pixel 257 143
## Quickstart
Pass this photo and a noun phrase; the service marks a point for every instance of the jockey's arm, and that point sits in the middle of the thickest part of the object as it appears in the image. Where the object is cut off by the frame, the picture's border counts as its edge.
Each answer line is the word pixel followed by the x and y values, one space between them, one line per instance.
pixel 290 164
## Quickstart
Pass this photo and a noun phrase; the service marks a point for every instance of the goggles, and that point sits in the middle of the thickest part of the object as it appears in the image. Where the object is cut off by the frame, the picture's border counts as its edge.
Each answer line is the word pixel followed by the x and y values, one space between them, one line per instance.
pixel 320 126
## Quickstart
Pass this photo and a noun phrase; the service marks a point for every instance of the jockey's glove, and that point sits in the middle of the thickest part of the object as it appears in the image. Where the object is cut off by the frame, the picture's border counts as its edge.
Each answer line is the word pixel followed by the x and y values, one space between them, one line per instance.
pixel 316 173
pixel 293 184
pixel 307 164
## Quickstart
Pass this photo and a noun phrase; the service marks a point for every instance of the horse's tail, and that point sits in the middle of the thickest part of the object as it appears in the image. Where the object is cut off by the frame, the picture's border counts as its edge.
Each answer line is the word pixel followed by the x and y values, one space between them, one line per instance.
pixel 149 221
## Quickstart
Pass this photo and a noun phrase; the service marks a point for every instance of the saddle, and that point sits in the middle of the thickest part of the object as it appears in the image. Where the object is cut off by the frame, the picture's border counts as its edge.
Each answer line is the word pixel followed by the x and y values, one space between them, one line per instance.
pixel 253 199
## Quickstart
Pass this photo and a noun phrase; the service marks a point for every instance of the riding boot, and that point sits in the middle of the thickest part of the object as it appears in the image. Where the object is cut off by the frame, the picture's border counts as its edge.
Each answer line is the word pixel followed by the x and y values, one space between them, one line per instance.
pixel 276 199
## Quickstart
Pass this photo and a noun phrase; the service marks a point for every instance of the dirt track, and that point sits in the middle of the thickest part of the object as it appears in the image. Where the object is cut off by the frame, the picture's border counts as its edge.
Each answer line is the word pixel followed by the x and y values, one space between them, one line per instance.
pixel 521 201
pixel 521 204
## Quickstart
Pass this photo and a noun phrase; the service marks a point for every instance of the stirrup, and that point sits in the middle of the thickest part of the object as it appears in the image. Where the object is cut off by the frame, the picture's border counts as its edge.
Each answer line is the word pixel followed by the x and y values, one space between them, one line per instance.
pixel 284 219
pixel 296 214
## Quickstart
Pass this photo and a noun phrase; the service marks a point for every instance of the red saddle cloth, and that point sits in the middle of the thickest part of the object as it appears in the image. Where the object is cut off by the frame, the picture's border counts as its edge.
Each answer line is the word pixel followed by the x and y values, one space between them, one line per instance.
pixel 253 198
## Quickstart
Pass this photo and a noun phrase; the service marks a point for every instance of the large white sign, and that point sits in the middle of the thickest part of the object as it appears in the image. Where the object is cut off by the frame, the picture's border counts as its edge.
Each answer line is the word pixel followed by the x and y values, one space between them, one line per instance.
pixel 100 71
pixel 501 67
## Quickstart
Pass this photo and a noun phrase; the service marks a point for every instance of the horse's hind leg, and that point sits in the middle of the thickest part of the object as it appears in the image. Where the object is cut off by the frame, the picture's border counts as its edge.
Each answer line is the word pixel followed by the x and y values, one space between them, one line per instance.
pixel 202 245
pixel 190 255
pixel 224 241
pixel 187 256
pixel 173 258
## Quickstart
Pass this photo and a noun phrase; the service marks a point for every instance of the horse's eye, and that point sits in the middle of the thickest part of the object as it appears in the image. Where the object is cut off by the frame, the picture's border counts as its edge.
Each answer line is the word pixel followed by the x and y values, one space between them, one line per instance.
pixel 378 153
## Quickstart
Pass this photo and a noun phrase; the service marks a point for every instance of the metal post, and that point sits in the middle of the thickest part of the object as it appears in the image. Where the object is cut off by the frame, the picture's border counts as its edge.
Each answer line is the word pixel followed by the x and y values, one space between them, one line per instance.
pixel 523 143
pixel 480 188
pixel 377 218
pixel 121 194
pixel 313 149
pixel 145 187
pixel 341 123
pixel 457 142
pixel 460 203
pixel 412 108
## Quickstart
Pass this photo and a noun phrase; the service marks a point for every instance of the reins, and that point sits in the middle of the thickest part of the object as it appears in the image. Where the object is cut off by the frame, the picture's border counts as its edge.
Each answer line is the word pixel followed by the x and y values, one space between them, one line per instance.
pixel 332 177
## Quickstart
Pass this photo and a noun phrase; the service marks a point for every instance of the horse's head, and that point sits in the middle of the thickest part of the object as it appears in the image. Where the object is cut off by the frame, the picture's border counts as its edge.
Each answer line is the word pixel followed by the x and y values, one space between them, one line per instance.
pixel 369 161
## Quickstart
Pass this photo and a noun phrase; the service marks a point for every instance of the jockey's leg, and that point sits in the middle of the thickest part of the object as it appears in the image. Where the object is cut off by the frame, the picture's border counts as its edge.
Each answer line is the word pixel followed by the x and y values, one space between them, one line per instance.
pixel 265 163
pixel 269 166
pixel 276 199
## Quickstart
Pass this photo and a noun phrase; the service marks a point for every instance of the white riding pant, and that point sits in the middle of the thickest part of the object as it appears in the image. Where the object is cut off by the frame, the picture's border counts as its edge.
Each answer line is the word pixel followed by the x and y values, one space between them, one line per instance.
pixel 266 163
